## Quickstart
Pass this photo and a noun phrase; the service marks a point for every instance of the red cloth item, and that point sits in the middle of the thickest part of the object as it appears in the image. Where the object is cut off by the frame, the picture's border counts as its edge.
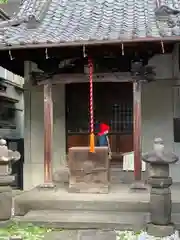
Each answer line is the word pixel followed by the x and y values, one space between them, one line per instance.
pixel 104 128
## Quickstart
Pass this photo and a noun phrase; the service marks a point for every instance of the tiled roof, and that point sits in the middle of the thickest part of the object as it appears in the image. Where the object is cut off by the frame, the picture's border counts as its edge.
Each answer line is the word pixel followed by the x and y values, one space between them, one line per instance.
pixel 68 21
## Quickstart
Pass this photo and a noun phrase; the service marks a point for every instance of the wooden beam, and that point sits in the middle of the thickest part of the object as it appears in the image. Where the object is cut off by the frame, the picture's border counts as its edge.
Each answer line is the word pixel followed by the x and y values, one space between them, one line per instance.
pixel 101 77
pixel 81 78
pixel 107 43
pixel 48 131
pixel 137 129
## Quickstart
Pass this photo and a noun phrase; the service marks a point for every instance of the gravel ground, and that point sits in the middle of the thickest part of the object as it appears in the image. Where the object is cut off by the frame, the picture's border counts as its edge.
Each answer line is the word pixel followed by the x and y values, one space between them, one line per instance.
pixel 127 235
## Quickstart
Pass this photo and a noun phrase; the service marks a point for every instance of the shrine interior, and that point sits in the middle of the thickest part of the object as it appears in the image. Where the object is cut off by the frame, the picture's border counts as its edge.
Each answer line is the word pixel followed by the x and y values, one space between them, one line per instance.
pixel 113 105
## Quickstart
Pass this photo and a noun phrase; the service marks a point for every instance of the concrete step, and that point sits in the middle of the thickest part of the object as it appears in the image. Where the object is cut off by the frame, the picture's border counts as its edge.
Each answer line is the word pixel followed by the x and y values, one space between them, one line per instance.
pixel 119 199
pixel 75 219
pixel 116 201
pixel 23 207
pixel 91 220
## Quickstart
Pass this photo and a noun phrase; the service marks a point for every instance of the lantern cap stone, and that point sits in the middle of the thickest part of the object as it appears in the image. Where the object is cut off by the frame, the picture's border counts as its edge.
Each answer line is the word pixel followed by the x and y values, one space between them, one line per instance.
pixel 158 140
pixel 3 142
pixel 159 155
pixel 7 155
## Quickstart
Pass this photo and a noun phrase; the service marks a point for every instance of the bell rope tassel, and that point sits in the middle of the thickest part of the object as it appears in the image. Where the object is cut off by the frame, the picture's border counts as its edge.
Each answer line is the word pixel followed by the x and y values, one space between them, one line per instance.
pixel 92 143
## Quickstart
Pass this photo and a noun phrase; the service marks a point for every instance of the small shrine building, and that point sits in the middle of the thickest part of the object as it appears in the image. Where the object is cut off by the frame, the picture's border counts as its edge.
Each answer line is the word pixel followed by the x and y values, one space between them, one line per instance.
pixel 49 42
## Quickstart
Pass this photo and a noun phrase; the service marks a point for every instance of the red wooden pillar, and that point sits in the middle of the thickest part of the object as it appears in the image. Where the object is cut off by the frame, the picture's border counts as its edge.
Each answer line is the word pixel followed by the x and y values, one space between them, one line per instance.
pixel 137 129
pixel 48 132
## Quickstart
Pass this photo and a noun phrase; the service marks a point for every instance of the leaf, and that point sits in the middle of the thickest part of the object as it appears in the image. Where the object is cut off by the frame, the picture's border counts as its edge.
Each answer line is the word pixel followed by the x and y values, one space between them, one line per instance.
pixel 26 231
pixel 3 1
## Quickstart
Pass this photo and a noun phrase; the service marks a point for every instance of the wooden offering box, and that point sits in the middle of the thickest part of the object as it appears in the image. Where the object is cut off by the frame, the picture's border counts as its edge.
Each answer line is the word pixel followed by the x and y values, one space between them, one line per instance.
pixel 89 172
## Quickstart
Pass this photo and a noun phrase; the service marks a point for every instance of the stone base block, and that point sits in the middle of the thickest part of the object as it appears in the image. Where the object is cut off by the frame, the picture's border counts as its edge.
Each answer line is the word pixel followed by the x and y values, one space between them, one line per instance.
pixel 46 186
pixel 160 206
pixel 138 185
pixel 160 230
pixel 5 203
pixel 81 235
pixel 88 172
pixel 61 176
pixel 92 188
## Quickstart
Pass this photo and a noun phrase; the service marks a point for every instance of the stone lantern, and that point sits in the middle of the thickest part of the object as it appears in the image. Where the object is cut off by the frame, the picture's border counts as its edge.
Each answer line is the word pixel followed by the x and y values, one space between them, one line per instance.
pixel 160 195
pixel 7 157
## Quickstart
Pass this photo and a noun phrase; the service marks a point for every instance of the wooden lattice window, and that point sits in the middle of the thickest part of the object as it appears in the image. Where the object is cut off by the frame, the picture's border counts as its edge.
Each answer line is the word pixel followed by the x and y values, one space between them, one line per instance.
pixel 122 121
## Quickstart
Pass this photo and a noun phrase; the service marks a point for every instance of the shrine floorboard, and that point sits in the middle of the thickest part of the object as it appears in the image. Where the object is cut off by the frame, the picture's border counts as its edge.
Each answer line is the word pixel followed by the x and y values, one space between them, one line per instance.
pixel 120 209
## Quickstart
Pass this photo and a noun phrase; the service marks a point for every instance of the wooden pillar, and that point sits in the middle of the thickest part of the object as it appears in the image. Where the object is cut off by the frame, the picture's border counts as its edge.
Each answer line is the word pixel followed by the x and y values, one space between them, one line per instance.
pixel 48 132
pixel 137 129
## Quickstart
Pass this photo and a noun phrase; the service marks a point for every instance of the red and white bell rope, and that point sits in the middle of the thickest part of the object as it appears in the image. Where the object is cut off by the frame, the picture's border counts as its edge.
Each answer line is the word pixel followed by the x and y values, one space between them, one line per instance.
pixel 92 140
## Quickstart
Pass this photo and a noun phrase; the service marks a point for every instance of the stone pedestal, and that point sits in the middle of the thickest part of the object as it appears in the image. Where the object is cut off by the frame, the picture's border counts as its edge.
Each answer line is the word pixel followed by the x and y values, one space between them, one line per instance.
pixel 5 192
pixel 6 158
pixel 61 176
pixel 160 195
pixel 5 203
pixel 88 172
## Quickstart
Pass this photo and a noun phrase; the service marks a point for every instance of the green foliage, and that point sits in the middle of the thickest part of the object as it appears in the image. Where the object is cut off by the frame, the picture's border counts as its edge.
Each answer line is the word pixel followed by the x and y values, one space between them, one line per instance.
pixel 26 231
pixel 3 1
